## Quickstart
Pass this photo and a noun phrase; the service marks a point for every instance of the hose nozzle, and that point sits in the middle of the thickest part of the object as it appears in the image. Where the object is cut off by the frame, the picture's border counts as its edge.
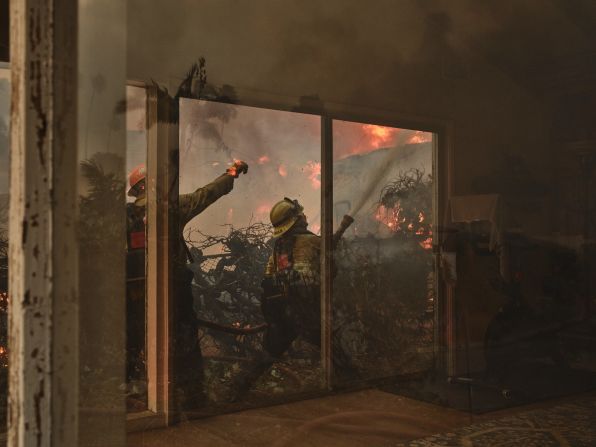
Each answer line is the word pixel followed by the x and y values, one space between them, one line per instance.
pixel 343 226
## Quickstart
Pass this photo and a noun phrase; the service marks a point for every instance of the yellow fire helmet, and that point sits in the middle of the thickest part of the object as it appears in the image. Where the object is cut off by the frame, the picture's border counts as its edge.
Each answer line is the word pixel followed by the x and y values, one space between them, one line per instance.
pixel 284 215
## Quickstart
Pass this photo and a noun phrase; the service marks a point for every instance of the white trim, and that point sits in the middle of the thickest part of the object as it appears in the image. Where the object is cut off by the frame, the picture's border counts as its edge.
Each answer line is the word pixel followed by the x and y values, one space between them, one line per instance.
pixel 43 253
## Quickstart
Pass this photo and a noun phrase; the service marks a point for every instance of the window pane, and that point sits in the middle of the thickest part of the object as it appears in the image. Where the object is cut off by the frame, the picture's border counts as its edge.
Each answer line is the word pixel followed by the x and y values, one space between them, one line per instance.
pixel 101 186
pixel 384 289
pixel 4 123
pixel 230 245
pixel 136 300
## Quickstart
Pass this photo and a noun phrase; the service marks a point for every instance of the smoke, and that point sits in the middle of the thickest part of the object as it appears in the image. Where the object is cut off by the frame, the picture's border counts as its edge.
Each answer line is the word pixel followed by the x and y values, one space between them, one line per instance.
pixel 376 177
pixel 136 104
pixel 264 44
pixel 282 150
pixel 347 51
pixel 283 153
pixel 209 119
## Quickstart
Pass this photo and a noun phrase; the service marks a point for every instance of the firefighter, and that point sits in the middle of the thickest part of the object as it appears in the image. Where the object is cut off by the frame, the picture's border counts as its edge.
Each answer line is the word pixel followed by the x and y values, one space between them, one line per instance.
pixel 290 302
pixel 291 286
pixel 292 282
pixel 188 367
pixel 135 289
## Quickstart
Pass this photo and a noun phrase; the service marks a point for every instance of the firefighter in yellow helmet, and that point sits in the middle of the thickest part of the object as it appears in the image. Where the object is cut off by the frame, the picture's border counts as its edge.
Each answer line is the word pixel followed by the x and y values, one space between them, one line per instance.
pixel 296 248
pixel 291 286
pixel 188 368
pixel 290 302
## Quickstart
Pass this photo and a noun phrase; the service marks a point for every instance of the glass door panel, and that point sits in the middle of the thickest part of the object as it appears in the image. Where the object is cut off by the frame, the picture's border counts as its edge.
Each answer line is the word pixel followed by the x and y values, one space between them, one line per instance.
pixel 230 244
pixel 384 286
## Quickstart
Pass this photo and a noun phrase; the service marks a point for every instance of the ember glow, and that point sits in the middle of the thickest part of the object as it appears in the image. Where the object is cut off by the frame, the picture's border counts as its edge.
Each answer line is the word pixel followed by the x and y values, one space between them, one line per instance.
pixel 427 243
pixel 282 171
pixel 263 159
pixel 313 172
pixel 391 217
pixel 394 219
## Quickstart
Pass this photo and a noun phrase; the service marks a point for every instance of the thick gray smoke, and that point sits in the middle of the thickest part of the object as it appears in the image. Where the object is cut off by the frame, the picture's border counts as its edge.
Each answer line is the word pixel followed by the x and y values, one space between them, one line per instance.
pixel 281 148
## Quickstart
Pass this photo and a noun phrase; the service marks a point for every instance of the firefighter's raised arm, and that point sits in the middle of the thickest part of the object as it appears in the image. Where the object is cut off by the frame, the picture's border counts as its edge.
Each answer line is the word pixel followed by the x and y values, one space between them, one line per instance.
pixel 194 203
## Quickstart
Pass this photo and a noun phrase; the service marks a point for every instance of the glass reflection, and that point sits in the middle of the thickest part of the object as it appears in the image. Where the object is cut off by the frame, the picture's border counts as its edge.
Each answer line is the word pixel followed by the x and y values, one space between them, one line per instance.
pixel 101 187
pixel 136 285
pixel 232 255
pixel 384 288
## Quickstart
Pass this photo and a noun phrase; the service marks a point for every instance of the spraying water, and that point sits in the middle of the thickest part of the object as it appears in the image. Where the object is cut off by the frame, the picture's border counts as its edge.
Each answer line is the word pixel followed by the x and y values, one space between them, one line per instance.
pixel 376 178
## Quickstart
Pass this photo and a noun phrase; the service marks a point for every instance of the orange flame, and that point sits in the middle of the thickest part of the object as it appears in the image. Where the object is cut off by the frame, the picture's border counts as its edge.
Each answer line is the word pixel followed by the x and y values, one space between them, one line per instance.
pixel 313 170
pixel 356 138
pixel 263 159
pixel 394 219
pixel 391 217
pixel 282 171
pixel 427 243
pixel 420 137
pixel 379 136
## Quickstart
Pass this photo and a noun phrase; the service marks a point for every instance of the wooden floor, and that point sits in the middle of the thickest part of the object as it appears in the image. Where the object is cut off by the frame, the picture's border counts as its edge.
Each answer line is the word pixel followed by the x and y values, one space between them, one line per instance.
pixel 364 418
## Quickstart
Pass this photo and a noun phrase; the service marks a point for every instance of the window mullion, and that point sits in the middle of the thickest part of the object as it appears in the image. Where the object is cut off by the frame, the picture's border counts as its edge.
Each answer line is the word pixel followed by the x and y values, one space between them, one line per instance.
pixel 326 248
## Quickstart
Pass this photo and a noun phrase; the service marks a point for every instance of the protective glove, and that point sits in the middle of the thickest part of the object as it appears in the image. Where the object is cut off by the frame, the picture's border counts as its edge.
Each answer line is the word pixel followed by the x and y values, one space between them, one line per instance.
pixel 239 167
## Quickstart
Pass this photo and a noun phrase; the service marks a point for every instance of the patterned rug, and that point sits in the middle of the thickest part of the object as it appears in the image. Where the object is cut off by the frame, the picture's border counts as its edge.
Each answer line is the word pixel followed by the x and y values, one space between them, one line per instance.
pixel 569 425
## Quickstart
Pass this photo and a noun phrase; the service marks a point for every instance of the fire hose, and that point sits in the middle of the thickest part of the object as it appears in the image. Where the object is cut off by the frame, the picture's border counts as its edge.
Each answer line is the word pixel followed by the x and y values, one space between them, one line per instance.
pixel 343 226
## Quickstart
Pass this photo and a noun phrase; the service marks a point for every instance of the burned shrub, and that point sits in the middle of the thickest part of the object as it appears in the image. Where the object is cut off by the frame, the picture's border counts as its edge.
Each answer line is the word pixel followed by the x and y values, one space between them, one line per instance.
pixel 384 289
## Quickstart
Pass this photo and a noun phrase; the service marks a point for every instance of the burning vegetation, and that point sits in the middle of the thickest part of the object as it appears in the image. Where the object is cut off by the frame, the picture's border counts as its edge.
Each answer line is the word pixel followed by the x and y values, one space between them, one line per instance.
pixel 383 298
pixel 384 290
pixel 405 205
